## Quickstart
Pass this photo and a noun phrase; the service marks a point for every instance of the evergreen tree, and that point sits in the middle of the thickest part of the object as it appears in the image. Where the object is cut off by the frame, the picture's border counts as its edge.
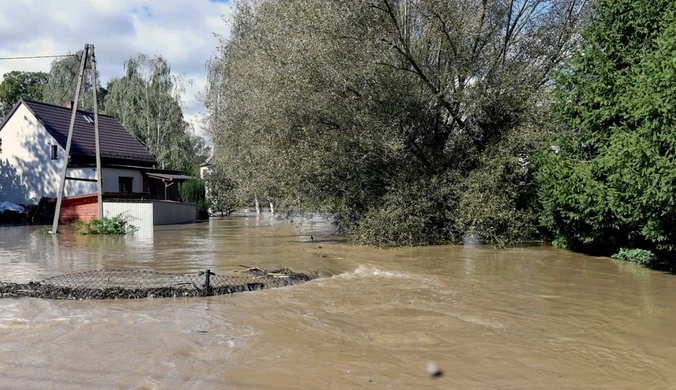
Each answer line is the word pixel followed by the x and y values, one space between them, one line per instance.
pixel 610 180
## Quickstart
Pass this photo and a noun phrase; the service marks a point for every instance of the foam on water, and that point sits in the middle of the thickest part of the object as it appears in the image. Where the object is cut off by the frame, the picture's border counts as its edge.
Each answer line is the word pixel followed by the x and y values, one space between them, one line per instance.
pixel 369 270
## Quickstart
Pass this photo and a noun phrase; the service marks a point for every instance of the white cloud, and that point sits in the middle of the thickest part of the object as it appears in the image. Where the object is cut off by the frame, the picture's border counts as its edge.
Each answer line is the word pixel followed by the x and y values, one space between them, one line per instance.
pixel 182 31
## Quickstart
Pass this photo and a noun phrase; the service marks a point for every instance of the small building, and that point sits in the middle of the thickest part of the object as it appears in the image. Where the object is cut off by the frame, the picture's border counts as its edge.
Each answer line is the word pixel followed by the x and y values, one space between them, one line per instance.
pixel 206 166
pixel 33 140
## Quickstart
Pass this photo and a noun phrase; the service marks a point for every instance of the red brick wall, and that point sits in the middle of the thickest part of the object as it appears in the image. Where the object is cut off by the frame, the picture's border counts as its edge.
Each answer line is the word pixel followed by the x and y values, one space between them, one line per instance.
pixel 82 207
pixel 84 212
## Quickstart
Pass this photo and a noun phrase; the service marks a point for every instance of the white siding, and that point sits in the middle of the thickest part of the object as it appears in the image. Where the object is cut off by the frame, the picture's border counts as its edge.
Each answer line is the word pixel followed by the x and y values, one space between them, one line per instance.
pixel 27 171
pixel 140 214
pixel 144 215
pixel 110 181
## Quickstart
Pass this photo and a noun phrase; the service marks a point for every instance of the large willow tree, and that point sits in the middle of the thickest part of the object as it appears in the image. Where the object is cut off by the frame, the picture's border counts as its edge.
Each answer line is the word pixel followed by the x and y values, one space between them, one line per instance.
pixel 147 101
pixel 410 121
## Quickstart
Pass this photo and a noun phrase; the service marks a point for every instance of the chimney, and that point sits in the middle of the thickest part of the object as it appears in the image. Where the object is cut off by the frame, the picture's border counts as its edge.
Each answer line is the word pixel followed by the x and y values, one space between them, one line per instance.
pixel 69 104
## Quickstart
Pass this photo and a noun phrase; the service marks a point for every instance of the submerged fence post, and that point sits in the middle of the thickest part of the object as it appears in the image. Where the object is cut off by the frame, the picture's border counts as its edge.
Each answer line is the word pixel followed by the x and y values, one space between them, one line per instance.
pixel 207 282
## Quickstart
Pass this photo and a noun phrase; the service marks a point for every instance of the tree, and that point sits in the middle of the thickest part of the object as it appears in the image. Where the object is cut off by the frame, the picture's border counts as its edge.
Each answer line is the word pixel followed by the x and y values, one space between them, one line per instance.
pixel 17 84
pixel 147 101
pixel 609 180
pixel 386 112
pixel 221 191
pixel 60 87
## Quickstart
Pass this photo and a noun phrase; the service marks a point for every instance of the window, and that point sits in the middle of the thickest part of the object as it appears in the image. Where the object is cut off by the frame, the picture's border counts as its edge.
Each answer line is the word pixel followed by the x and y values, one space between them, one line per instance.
pixel 88 118
pixel 124 184
pixel 0 145
pixel 55 152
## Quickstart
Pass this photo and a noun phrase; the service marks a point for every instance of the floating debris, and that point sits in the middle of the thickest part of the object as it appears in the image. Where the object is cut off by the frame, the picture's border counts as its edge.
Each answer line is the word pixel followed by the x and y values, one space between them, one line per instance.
pixel 433 370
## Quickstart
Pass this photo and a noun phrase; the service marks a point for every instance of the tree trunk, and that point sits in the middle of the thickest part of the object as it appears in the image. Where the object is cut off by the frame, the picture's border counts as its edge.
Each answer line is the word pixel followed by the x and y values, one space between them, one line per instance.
pixel 258 206
pixel 272 208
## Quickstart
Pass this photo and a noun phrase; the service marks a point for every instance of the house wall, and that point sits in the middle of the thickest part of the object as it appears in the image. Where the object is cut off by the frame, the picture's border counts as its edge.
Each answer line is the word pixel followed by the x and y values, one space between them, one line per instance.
pixel 27 171
pixel 110 179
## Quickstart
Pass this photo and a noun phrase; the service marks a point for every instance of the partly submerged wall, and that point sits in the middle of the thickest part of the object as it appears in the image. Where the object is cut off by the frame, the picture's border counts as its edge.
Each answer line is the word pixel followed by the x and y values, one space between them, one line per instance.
pixel 141 213
pixel 147 213
pixel 170 213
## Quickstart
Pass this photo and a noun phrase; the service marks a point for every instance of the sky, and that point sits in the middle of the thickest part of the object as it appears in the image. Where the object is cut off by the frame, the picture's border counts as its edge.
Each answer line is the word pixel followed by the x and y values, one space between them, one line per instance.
pixel 182 31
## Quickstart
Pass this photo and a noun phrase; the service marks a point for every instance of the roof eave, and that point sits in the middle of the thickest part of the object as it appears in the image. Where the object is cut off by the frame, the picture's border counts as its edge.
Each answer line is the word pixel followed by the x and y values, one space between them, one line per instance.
pixel 12 111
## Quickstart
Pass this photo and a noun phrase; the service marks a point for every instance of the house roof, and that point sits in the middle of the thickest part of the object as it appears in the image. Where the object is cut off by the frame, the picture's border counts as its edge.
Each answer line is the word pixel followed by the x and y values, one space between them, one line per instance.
pixel 116 142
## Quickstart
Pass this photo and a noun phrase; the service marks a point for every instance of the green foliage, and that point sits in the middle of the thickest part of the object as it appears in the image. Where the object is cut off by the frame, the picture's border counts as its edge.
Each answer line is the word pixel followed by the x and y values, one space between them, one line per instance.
pixel 414 213
pixel 17 85
pixel 393 116
pixel 117 225
pixel 560 242
pixel 609 180
pixel 221 191
pixel 60 87
pixel 147 101
pixel 639 256
pixel 193 191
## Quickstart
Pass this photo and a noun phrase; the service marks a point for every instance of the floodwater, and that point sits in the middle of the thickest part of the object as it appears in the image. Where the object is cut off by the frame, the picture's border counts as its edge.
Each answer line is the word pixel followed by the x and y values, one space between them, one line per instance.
pixel 532 318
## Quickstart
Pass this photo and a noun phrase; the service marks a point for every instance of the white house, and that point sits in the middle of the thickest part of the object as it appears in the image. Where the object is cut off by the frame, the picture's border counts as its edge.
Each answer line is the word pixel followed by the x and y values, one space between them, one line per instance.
pixel 33 139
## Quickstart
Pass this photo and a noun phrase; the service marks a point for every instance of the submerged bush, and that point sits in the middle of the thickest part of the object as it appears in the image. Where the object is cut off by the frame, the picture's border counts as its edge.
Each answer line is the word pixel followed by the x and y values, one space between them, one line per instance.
pixel 639 256
pixel 415 213
pixel 119 224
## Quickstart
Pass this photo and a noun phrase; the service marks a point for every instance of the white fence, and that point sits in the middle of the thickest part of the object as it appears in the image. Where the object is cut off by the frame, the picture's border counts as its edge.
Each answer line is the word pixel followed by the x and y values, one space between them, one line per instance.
pixel 146 214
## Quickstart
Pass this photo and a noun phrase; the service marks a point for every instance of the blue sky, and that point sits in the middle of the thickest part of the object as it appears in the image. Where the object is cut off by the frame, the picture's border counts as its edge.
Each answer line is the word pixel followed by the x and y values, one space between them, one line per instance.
pixel 182 31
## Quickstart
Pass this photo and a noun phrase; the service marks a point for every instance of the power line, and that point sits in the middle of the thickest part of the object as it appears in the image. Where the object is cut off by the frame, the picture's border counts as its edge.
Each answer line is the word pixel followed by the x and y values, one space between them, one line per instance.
pixel 35 57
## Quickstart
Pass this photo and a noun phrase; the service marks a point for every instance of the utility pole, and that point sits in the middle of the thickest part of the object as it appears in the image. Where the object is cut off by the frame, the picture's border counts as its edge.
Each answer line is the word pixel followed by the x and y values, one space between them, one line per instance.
pixel 62 183
pixel 87 55
pixel 99 173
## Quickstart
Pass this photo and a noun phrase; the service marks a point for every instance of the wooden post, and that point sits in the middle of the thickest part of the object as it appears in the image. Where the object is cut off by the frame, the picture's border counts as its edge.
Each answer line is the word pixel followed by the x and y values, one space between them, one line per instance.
pixel 207 283
pixel 62 183
pixel 99 171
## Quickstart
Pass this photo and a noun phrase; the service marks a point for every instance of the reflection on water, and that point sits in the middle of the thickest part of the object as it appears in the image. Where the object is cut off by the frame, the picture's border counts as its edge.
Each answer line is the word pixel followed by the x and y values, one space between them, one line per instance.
pixel 533 318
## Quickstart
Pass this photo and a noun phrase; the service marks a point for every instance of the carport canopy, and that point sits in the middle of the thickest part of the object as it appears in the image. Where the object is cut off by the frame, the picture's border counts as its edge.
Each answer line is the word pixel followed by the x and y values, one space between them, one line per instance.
pixel 168 177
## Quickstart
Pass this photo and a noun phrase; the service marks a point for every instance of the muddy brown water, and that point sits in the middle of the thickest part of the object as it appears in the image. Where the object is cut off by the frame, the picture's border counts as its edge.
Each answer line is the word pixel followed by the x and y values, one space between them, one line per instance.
pixel 533 318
